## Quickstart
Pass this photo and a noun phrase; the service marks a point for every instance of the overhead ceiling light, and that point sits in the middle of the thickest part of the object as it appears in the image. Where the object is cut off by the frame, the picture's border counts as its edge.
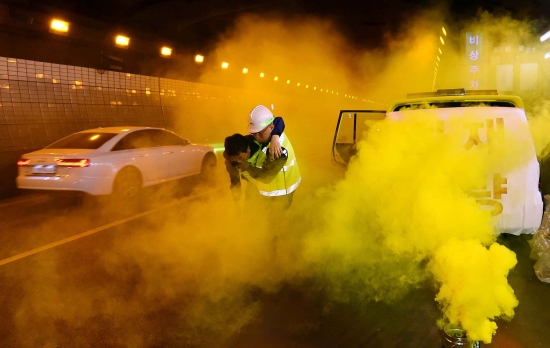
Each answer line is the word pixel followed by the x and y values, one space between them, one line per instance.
pixel 287 81
pixel 442 41
pixel 166 51
pixel 58 26
pixel 275 78
pixel 444 31
pixel 262 74
pixel 245 70
pixel 547 55
pixel 440 52
pixel 545 37
pixel 199 58
pixel 122 41
pixel 225 65
pixel 298 84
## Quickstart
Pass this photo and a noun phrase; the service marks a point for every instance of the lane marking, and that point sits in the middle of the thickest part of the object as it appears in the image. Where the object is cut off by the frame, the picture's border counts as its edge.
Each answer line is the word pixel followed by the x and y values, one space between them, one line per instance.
pixel 112 224
pixel 98 229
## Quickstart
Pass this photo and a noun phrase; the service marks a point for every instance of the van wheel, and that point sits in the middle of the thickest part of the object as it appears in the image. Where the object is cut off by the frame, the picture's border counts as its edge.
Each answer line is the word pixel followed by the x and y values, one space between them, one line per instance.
pixel 127 184
pixel 208 169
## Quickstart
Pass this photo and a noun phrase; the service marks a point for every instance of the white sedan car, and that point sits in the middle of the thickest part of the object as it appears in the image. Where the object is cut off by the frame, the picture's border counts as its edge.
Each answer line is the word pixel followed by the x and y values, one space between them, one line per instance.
pixel 114 160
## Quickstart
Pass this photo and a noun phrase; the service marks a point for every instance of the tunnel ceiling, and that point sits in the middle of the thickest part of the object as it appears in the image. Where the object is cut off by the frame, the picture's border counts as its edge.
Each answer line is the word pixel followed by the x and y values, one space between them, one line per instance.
pixel 197 24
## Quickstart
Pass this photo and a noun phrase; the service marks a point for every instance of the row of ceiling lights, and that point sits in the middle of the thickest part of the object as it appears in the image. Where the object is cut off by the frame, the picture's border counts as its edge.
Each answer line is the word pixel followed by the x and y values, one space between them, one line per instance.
pixel 61 27
pixel 225 65
pixel 438 59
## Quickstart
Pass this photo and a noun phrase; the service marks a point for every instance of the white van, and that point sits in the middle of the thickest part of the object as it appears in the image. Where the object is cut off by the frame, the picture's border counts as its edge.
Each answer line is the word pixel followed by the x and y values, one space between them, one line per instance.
pixel 514 196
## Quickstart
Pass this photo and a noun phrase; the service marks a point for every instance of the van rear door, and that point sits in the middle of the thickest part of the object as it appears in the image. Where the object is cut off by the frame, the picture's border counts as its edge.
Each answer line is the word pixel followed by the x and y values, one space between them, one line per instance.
pixel 352 126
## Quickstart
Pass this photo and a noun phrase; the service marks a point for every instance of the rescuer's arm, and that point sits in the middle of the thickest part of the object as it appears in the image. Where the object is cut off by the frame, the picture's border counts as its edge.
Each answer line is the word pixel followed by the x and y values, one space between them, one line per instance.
pixel 234 178
pixel 275 146
pixel 269 169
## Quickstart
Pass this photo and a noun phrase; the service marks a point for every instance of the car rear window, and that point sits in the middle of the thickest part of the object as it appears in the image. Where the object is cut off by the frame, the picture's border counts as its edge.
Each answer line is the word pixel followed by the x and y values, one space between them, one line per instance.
pixel 455 104
pixel 82 141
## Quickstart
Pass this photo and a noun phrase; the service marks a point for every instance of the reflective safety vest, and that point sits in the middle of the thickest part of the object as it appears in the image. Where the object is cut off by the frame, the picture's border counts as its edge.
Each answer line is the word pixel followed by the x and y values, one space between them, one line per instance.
pixel 287 180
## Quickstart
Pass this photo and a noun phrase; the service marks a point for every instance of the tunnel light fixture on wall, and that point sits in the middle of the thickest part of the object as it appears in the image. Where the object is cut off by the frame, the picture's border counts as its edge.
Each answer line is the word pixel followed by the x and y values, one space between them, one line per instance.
pixel 440 52
pixel 225 65
pixel 298 84
pixel 245 71
pixel 122 41
pixel 442 41
pixel 166 51
pixel 444 31
pixel 262 74
pixel 545 36
pixel 547 55
pixel 275 78
pixel 199 58
pixel 60 27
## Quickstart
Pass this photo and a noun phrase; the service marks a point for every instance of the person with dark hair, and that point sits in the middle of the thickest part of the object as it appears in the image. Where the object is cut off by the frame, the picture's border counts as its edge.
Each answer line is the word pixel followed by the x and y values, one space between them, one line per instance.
pixel 276 176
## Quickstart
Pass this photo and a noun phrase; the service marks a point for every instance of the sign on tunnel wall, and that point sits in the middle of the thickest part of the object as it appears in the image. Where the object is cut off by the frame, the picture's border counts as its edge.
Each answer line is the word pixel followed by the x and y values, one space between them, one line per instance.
pixel 474 60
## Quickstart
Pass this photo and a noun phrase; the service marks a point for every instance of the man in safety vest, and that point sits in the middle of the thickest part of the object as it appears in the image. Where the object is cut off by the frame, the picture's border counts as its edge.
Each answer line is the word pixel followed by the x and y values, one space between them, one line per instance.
pixel 275 177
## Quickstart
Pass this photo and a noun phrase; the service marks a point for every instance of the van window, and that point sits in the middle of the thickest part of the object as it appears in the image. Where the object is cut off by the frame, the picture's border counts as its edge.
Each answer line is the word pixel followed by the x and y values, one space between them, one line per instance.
pixel 455 104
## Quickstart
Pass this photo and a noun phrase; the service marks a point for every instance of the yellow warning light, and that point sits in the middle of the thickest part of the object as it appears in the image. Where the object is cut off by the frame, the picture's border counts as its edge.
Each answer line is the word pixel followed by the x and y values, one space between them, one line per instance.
pixel 165 51
pixel 245 71
pixel 225 65
pixel 122 41
pixel 60 27
pixel 199 58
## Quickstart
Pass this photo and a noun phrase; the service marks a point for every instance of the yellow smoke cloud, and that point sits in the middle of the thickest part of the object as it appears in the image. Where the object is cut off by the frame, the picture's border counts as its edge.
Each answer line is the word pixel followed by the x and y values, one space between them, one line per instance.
pixel 405 198
pixel 474 286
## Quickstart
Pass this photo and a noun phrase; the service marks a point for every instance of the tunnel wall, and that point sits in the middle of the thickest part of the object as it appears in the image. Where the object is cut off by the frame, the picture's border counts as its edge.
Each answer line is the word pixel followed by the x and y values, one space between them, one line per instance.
pixel 43 102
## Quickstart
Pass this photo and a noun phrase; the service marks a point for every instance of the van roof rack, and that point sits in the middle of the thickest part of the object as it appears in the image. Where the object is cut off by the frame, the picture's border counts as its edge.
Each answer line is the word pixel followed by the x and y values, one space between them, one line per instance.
pixel 453 92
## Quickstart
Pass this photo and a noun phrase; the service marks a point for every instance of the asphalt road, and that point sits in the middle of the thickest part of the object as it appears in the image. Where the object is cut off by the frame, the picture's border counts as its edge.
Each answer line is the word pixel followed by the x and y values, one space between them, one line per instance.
pixel 166 272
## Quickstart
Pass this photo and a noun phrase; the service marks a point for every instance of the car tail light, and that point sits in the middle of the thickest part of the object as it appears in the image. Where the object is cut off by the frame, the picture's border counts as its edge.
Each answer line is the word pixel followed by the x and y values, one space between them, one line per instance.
pixel 72 162
pixel 23 162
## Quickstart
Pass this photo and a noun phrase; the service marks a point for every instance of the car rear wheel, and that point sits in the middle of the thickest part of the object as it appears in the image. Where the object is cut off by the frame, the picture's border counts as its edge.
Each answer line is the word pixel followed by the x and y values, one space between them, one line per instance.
pixel 127 184
pixel 208 169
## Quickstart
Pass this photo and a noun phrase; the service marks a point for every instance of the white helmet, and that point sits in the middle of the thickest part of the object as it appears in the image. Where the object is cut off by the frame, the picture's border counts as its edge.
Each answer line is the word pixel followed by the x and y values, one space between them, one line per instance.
pixel 260 117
